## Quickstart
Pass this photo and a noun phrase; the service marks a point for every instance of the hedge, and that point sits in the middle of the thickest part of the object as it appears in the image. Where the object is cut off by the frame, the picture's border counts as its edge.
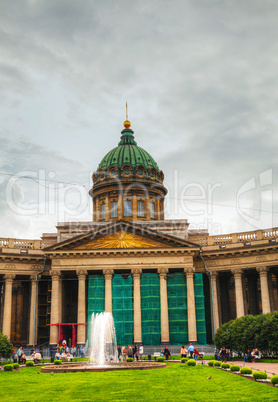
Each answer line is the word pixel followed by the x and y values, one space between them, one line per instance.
pixel 191 362
pixel 29 363
pixel 274 379
pixel 259 375
pixel 246 370
pixel 183 360
pixel 160 359
pixel 211 363
pixel 225 365
pixel 234 367
pixel 216 363
pixel 129 359
pixel 15 365
pixel 57 361
pixel 8 367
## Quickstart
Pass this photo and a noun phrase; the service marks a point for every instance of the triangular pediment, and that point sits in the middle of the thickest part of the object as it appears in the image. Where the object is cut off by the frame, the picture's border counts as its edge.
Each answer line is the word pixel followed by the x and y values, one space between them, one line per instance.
pixel 121 235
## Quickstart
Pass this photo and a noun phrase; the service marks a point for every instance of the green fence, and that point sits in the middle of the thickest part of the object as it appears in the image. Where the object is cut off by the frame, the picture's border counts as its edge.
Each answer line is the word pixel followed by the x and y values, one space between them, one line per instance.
pixel 177 308
pixel 96 299
pixel 200 309
pixel 122 292
pixel 150 309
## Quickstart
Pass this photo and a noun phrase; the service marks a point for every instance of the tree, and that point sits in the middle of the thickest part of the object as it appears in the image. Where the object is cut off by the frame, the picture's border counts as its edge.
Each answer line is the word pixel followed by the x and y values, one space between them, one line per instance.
pixel 6 348
pixel 249 332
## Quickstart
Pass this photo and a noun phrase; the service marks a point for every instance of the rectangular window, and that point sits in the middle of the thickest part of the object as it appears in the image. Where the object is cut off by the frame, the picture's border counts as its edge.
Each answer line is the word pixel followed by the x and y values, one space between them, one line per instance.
pixel 152 210
pixel 127 208
pixel 140 209
pixel 102 212
pixel 114 209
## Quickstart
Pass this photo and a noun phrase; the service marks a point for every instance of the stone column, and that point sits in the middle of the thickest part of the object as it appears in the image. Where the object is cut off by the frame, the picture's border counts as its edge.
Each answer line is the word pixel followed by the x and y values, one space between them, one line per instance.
pixel 7 314
pixel 238 292
pixel 215 300
pixel 165 337
pixel 134 206
pixel 32 341
pixel 148 208
pixel 264 289
pixel 136 272
pixel 19 306
pixel 191 312
pixel 108 275
pixel 107 207
pixel 55 307
pixel 81 311
pixel 120 204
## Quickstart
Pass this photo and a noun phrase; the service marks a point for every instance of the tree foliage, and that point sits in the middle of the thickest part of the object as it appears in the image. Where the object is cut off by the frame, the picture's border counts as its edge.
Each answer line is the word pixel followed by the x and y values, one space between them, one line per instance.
pixel 249 332
pixel 6 348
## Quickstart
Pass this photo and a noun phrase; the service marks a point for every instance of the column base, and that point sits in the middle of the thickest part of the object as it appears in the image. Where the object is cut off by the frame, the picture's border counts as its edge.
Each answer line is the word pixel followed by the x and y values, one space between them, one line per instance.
pixel 165 343
pixel 193 342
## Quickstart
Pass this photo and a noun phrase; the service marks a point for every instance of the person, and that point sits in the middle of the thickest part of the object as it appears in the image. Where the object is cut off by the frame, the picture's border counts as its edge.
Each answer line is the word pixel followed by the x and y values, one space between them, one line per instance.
pixel 141 351
pixel 72 351
pixel 69 342
pixel 191 350
pixel 19 353
pixel 183 352
pixel 216 355
pixel 64 356
pixel 41 352
pixel 129 351
pixel 82 351
pixel 223 355
pixel 36 356
pixel 133 350
pixel 167 353
pixel 196 354
pixel 162 353
pixel 124 352
pixel 137 354
pixel 23 358
pixel 119 352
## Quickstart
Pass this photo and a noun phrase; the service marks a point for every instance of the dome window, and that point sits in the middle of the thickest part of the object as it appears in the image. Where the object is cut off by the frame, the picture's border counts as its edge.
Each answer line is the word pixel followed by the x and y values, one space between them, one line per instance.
pixel 126 171
pixel 102 175
pixel 140 171
pixel 152 174
pixel 113 172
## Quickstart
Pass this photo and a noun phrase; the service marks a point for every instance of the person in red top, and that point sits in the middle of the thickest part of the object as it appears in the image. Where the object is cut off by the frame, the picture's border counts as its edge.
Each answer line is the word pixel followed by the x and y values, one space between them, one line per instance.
pixel 196 354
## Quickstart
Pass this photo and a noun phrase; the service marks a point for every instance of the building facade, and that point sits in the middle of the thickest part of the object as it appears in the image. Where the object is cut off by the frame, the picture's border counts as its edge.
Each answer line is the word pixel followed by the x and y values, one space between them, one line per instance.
pixel 164 283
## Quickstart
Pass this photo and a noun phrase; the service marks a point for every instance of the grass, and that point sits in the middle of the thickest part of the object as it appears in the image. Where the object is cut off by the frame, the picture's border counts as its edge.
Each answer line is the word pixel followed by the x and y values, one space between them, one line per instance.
pixel 173 383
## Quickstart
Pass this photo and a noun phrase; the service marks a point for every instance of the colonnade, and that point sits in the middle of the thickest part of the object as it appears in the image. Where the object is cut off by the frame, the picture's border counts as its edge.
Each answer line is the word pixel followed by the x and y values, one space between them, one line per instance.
pixel 108 275
pixel 239 295
pixel 56 302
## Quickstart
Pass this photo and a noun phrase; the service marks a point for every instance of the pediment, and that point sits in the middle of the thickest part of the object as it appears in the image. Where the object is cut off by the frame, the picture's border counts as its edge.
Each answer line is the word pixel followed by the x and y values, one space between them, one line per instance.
pixel 121 239
pixel 121 235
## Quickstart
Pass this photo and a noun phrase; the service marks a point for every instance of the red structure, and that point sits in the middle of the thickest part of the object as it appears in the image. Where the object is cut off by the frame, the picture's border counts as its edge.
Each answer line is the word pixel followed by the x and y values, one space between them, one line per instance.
pixel 65 333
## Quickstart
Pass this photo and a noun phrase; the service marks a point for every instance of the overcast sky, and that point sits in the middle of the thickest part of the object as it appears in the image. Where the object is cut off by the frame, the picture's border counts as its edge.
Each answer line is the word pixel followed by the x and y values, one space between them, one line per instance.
pixel 201 81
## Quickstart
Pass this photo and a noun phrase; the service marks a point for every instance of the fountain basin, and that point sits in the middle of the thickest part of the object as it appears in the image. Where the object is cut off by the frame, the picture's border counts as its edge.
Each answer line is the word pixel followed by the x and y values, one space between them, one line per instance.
pixel 80 368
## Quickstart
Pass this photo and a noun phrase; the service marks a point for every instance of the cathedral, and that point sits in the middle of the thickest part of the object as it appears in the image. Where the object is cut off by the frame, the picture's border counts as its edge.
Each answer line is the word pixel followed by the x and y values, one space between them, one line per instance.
pixel 164 283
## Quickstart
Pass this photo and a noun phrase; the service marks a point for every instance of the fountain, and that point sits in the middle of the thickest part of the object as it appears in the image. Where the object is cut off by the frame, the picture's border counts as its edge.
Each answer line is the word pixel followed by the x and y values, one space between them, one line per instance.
pixel 104 355
pixel 103 340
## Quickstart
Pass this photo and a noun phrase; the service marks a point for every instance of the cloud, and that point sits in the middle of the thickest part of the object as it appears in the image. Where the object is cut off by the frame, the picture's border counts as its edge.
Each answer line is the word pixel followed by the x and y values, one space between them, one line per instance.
pixel 200 79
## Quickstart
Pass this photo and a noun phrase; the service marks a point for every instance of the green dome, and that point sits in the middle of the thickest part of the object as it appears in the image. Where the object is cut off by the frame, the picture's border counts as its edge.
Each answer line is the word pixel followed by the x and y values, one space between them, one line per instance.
pixel 127 153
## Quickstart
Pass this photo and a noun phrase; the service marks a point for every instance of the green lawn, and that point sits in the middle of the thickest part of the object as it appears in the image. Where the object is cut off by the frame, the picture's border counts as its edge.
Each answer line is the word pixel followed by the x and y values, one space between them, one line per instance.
pixel 173 383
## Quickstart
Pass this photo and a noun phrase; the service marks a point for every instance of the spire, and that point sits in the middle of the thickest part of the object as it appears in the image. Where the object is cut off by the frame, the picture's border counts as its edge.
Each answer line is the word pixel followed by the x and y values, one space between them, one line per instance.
pixel 127 123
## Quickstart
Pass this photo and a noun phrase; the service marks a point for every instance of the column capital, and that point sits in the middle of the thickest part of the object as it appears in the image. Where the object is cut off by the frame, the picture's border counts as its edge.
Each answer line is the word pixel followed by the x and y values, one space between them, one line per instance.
pixel 189 271
pixel 9 277
pixel 237 272
pixel 56 275
pixel 35 277
pixel 108 273
pixel 136 272
pixel 162 272
pixel 81 274
pixel 263 270
pixel 214 275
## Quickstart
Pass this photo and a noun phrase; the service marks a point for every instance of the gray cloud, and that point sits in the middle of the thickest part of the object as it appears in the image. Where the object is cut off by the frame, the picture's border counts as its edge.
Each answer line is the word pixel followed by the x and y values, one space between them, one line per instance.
pixel 200 78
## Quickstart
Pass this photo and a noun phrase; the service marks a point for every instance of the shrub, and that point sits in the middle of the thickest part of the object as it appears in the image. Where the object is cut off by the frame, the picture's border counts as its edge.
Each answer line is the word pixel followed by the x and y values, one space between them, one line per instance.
pixel 191 362
pixel 29 363
pixel 160 359
pixel 225 365
pixel 129 359
pixel 6 348
pixel 274 379
pixel 15 365
pixel 8 367
pixel 211 363
pixel 216 363
pixel 56 361
pixel 246 370
pixel 234 367
pixel 259 375
pixel 183 360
